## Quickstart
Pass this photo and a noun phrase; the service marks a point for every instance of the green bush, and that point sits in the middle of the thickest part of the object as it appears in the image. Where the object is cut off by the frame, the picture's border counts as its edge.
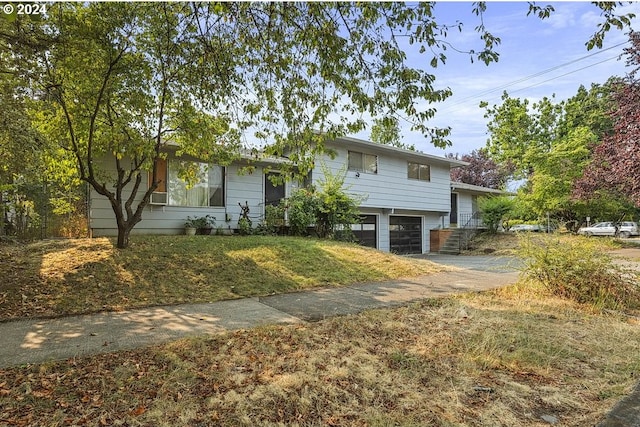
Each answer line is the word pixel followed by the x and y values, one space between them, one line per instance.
pixel 273 220
pixel 337 209
pixel 579 270
pixel 244 226
pixel 330 209
pixel 302 207
pixel 494 210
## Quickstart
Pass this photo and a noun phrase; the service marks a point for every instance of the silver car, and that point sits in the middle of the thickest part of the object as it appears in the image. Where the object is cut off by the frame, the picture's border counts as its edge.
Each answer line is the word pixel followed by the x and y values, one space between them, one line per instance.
pixel 627 229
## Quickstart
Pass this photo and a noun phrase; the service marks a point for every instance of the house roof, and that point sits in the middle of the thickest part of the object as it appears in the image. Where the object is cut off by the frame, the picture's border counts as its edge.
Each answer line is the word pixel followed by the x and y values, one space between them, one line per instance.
pixel 399 152
pixel 258 157
pixel 470 188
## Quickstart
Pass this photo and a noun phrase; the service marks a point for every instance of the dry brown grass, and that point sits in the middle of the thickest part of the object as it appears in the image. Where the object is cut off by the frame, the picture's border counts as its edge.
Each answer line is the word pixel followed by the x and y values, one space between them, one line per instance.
pixel 60 277
pixel 504 358
pixel 508 243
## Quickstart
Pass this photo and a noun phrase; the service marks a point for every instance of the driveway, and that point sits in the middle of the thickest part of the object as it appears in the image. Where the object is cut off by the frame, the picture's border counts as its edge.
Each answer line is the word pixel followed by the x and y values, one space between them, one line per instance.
pixel 487 263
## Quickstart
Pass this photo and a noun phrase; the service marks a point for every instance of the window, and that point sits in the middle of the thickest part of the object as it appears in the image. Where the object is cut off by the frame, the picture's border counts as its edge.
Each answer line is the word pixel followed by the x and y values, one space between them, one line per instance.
pixel 273 193
pixel 205 186
pixel 361 162
pixel 418 171
pixel 159 196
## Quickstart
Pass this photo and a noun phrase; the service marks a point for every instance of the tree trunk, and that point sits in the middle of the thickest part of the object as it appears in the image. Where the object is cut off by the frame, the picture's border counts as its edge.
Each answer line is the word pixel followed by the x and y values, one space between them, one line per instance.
pixel 123 236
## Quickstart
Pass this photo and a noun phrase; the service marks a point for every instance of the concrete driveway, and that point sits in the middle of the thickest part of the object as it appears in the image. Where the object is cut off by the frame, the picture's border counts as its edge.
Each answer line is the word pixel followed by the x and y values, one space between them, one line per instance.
pixel 487 263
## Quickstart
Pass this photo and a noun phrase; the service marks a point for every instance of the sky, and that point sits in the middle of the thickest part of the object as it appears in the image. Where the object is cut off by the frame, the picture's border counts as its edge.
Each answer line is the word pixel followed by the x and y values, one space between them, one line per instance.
pixel 538 58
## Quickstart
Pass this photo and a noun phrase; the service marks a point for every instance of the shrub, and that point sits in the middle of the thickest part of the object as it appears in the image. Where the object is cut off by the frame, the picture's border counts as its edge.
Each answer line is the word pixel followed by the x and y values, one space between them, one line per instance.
pixel 302 208
pixel 494 210
pixel 273 220
pixel 338 210
pixel 331 209
pixel 579 270
pixel 244 226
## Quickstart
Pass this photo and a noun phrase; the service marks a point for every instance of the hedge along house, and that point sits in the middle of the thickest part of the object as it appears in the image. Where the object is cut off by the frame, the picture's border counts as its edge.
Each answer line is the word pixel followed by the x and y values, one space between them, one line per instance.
pixel 404 194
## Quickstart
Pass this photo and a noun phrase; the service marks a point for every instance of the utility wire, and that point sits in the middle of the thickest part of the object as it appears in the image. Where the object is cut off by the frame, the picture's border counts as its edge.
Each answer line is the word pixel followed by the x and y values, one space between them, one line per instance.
pixel 565 74
pixel 538 74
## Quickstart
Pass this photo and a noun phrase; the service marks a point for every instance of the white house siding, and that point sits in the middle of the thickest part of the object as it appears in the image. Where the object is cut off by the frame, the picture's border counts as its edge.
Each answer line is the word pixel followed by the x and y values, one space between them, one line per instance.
pixel 465 207
pixel 390 188
pixel 160 219
pixel 390 192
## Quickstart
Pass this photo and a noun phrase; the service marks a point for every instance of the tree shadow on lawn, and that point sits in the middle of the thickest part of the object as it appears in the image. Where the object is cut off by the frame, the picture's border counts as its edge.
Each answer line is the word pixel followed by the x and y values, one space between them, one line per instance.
pixel 56 278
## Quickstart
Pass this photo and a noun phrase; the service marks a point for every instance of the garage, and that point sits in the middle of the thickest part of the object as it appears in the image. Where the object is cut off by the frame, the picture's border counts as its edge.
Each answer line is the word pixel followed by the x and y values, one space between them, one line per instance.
pixel 365 232
pixel 405 234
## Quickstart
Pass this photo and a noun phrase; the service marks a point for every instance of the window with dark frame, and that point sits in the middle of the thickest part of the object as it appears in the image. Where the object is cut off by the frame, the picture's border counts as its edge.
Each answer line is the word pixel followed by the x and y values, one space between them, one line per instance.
pixel 418 171
pixel 362 162
pixel 273 193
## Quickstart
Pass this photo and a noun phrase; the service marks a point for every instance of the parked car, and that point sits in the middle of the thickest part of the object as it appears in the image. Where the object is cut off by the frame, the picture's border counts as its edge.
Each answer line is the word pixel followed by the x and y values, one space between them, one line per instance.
pixel 627 229
pixel 536 228
pixel 523 227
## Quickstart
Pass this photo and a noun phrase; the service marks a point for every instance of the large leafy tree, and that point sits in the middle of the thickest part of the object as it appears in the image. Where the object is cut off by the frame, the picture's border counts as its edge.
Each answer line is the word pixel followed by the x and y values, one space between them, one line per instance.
pixel 521 132
pixel 549 144
pixel 129 80
pixel 481 170
pixel 615 168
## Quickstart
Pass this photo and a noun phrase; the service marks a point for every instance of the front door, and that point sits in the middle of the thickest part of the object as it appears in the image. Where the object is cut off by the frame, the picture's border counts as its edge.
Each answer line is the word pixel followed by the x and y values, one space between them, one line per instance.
pixel 453 216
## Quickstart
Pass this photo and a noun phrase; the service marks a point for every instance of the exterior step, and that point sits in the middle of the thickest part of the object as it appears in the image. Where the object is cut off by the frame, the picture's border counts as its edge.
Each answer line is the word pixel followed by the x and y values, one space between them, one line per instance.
pixel 452 244
pixel 458 238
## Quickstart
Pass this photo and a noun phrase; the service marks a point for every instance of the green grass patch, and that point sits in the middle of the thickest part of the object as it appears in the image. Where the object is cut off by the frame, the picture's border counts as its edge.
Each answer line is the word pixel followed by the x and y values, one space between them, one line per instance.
pixel 58 277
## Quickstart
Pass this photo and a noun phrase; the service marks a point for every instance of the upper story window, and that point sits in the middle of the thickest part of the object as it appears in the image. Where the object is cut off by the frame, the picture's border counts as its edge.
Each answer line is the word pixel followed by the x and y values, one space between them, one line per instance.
pixel 205 186
pixel 418 171
pixel 362 162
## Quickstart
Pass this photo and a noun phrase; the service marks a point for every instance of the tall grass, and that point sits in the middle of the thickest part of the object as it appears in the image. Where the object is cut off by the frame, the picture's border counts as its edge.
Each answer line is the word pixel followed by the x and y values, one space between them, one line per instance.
pixel 579 270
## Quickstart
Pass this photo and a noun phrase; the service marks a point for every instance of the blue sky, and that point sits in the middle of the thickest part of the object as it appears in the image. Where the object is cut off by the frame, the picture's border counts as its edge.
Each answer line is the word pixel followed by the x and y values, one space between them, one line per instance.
pixel 529 46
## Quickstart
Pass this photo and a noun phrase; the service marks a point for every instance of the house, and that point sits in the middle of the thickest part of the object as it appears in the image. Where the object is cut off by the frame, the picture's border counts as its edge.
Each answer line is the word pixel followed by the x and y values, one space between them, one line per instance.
pixel 464 203
pixel 405 194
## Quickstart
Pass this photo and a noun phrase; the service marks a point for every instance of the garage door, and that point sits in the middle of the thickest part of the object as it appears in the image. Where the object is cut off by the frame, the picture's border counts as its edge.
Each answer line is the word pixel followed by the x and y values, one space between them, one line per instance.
pixel 405 234
pixel 365 232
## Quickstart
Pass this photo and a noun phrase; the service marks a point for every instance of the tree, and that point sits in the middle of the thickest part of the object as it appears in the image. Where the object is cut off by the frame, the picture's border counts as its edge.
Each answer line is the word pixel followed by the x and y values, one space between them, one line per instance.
pixel 494 210
pixel 129 81
pixel 549 145
pixel 616 161
pixel 551 183
pixel 125 82
pixel 481 170
pixel 387 131
pixel 520 132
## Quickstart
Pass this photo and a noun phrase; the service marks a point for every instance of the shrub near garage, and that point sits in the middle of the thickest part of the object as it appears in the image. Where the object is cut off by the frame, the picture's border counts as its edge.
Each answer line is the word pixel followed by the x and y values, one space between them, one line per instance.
pixel 579 270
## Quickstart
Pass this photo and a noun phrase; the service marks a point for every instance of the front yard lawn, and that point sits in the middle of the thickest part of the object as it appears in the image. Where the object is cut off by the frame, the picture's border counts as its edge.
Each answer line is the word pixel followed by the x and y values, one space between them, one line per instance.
pixel 59 277
pixel 502 359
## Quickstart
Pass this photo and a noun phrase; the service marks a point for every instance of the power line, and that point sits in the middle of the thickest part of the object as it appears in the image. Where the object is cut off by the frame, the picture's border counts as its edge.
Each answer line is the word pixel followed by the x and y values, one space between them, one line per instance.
pixel 565 74
pixel 538 74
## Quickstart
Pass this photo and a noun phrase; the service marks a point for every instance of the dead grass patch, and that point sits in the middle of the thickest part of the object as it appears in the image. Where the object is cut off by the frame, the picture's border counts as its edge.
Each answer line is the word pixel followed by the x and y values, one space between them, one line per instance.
pixel 508 243
pixel 59 277
pixel 502 358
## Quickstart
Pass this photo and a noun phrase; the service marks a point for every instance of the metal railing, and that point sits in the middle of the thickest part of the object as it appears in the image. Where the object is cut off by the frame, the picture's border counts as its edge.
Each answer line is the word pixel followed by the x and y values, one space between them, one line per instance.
pixel 472 222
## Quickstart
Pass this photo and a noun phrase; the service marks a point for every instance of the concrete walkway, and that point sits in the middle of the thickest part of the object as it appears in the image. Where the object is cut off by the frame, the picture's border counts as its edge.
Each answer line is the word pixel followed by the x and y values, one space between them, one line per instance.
pixel 41 340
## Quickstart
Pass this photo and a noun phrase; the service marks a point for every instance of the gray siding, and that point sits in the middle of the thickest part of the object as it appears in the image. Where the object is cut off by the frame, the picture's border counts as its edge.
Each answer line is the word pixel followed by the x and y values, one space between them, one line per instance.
pixel 158 219
pixel 391 188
